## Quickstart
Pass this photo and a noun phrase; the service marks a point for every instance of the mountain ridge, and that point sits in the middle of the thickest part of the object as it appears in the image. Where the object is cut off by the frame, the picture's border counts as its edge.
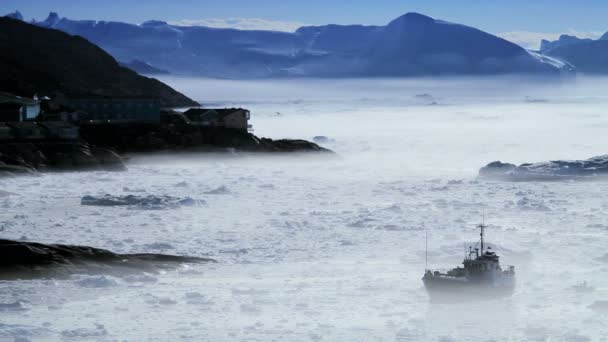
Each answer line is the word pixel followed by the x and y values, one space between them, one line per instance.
pixel 588 55
pixel 410 45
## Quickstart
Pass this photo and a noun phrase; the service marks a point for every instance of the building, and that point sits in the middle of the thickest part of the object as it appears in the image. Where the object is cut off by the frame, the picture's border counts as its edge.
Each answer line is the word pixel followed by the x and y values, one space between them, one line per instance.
pixel 117 109
pixel 236 118
pixel 233 118
pixel 17 108
pixel 59 130
pixel 26 131
pixel 75 116
pixel 6 132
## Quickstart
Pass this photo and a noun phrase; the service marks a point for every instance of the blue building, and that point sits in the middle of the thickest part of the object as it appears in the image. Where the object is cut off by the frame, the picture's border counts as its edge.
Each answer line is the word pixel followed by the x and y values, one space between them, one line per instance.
pixel 17 108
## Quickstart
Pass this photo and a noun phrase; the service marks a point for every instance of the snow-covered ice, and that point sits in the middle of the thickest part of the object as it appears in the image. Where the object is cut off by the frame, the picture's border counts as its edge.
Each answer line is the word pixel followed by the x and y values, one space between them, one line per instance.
pixel 332 249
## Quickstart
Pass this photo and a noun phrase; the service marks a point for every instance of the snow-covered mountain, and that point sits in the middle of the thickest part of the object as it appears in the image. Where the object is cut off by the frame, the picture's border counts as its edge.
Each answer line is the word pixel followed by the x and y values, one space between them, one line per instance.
pixel 587 55
pixel 564 39
pixel 410 45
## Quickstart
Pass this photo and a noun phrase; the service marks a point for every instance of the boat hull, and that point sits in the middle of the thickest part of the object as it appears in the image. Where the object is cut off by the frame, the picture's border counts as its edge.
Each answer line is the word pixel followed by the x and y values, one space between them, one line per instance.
pixel 452 288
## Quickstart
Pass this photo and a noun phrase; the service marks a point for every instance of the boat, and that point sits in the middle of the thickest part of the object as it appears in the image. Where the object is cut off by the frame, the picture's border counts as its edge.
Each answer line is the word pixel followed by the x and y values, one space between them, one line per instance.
pixel 481 276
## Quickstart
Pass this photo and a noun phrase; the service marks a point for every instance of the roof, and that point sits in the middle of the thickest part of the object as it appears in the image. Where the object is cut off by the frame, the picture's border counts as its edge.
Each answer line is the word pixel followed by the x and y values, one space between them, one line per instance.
pixel 23 124
pixel 11 98
pixel 211 112
pixel 228 111
pixel 113 98
pixel 197 114
pixel 55 124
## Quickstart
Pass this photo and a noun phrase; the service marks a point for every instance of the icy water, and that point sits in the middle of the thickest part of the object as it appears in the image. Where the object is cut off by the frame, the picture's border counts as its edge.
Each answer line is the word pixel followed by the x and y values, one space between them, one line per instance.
pixel 314 248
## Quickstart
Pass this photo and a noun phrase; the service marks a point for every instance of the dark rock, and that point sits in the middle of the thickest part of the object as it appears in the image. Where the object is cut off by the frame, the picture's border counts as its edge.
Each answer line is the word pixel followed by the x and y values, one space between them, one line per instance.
pixel 28 158
pixel 144 202
pixel 27 260
pixel 181 136
pixel 53 63
pixel 14 170
pixel 290 145
pixel 555 170
pixel 496 169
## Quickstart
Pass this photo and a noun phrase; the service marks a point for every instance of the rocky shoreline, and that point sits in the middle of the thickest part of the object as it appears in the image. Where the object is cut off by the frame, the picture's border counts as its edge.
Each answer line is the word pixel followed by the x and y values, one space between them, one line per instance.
pixel 103 148
pixel 124 113
pixel 31 260
pixel 594 168
pixel 23 158
pixel 148 137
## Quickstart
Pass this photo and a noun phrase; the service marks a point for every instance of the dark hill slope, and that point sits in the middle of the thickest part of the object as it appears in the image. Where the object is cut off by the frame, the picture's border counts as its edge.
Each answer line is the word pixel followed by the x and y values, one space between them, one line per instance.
pixel 51 62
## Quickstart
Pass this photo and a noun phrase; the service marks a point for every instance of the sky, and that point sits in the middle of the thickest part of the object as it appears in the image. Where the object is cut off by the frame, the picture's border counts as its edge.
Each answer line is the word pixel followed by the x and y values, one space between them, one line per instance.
pixel 523 21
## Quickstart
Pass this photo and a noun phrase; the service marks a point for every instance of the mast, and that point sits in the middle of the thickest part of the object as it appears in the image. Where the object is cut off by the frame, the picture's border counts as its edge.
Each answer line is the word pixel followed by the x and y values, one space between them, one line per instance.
pixel 481 226
pixel 426 249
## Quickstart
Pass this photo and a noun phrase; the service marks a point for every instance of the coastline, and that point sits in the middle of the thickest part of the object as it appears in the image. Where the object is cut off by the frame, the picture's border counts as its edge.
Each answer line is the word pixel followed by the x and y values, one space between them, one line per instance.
pixel 36 157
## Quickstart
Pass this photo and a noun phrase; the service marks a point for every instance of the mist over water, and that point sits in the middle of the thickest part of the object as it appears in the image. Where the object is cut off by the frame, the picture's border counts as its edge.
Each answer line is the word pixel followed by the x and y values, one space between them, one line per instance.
pixel 430 125
pixel 332 248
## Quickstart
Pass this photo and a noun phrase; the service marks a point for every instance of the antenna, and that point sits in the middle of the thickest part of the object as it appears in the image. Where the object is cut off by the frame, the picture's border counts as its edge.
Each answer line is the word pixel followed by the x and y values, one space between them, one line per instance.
pixel 426 249
pixel 481 226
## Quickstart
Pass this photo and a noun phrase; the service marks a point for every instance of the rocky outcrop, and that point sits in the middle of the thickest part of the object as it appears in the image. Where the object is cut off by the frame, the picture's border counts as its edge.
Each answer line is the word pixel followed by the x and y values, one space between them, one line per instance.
pixel 141 137
pixel 98 153
pixel 496 169
pixel 290 145
pixel 31 158
pixel 143 202
pixel 555 170
pixel 36 60
pixel 28 260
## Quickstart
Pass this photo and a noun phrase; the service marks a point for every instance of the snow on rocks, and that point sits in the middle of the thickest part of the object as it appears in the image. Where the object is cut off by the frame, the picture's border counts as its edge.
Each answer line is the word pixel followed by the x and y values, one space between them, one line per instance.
pixel 29 260
pixel 142 202
pixel 555 170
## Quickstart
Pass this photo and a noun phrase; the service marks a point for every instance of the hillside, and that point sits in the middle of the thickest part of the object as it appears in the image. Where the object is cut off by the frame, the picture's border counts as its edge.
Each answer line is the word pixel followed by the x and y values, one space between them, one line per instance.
pixel 411 45
pixel 588 55
pixel 143 68
pixel 36 60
